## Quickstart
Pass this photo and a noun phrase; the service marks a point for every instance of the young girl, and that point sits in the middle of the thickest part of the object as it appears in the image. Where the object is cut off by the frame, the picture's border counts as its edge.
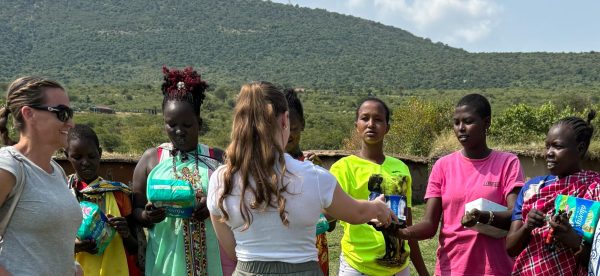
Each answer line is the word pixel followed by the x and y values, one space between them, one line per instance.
pixel 296 114
pixel 567 143
pixel 264 203
pixel 84 152
pixel 474 172
pixel 361 244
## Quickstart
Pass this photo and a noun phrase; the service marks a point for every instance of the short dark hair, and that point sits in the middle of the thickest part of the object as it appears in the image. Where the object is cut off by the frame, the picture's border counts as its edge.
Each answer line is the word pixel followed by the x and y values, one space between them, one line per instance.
pixel 294 103
pixel 583 130
pixel 374 99
pixel 83 132
pixel 478 102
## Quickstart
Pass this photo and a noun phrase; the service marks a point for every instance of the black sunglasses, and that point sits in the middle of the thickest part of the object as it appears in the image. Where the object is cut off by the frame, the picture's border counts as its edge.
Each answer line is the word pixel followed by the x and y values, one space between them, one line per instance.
pixel 63 112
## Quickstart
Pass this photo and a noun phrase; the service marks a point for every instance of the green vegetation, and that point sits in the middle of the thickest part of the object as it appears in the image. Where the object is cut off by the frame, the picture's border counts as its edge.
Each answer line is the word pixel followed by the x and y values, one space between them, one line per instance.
pixel 236 41
pixel 521 128
pixel 421 118
pixel 423 127
pixel 109 53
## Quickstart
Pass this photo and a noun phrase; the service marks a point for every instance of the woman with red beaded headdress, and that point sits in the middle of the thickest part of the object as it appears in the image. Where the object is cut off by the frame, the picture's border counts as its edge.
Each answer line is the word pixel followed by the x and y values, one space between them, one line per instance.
pixel 170 183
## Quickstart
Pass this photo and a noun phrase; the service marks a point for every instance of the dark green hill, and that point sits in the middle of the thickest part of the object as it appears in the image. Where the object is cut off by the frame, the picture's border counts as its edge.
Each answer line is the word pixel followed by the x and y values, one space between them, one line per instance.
pixel 235 41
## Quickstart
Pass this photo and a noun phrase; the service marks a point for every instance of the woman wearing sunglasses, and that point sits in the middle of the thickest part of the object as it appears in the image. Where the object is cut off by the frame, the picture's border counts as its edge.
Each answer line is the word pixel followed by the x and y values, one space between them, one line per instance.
pixel 40 236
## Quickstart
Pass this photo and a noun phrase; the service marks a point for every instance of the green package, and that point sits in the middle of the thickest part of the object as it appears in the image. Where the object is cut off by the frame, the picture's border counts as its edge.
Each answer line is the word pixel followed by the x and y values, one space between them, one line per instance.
pixel 176 196
pixel 584 214
pixel 95 226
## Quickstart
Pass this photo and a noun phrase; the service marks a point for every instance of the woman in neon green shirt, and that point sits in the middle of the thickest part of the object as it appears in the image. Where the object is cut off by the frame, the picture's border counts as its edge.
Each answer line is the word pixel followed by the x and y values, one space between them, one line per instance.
pixel 362 245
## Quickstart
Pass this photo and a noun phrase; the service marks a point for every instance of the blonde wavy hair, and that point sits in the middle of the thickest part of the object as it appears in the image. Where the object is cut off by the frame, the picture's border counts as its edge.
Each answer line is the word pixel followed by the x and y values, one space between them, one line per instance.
pixel 254 151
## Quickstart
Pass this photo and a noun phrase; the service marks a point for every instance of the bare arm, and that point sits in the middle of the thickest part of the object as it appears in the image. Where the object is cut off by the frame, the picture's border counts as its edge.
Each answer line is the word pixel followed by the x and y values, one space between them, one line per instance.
pixel 131 242
pixel 147 162
pixel 353 211
pixel 8 181
pixel 225 236
pixel 427 228
pixel 415 252
pixel 501 220
pixel 517 238
pixel 519 233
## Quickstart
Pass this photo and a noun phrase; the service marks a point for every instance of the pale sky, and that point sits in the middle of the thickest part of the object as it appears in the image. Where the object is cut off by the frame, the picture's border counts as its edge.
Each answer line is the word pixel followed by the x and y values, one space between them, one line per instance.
pixel 484 25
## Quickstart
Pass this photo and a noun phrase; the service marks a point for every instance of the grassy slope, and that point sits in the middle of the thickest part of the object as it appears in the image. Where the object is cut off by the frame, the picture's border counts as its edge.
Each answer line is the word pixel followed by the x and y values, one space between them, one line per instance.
pixel 236 41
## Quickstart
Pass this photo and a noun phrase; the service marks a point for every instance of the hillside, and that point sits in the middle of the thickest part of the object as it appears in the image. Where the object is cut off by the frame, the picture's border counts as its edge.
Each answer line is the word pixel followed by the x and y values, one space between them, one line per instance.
pixel 234 41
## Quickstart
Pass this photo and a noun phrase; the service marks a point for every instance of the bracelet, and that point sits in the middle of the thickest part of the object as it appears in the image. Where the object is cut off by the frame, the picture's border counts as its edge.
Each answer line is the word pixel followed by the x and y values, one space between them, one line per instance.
pixel 491 219
pixel 581 245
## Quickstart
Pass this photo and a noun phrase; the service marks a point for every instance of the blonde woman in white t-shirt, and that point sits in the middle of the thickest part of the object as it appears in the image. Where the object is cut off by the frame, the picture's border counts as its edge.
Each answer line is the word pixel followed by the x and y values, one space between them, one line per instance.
pixel 264 204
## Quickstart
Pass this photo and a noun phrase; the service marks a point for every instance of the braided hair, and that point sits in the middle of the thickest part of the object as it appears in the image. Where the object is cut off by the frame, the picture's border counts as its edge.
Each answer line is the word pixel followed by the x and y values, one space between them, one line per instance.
pixel 583 130
pixel 183 85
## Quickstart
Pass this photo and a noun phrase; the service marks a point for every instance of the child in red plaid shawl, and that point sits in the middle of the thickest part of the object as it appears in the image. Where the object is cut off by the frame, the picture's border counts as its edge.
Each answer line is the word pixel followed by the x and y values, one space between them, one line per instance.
pixel 545 243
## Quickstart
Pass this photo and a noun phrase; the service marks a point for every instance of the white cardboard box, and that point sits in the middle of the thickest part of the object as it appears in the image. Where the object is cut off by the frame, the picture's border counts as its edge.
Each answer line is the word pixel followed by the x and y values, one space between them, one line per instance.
pixel 485 205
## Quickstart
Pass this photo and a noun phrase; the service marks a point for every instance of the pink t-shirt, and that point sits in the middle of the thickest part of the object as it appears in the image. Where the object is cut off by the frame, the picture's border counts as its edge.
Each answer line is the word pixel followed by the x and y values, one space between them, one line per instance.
pixel 458 180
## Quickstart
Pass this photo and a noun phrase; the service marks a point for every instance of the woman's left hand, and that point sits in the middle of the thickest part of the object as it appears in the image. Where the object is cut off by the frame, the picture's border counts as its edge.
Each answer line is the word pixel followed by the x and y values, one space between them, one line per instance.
pixel 119 223
pixel 201 212
pixel 470 218
pixel 564 233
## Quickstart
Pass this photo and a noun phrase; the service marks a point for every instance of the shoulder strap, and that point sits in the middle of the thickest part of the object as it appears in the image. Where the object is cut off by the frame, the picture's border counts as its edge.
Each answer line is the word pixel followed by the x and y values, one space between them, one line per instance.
pixel 163 151
pixel 208 157
pixel 15 194
pixel 159 153
pixel 211 152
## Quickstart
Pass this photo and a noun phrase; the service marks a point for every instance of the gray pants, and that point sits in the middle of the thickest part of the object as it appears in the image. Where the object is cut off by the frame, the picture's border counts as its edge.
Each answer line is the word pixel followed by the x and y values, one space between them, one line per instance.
pixel 277 268
pixel 347 270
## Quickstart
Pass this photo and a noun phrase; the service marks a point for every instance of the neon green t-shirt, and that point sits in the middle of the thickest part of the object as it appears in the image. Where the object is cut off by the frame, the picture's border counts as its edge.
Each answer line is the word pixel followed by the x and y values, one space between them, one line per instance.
pixel 362 244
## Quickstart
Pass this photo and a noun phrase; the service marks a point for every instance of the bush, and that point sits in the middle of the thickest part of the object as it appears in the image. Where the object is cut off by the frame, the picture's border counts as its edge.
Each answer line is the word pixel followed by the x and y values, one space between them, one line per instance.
pixel 415 124
pixel 523 124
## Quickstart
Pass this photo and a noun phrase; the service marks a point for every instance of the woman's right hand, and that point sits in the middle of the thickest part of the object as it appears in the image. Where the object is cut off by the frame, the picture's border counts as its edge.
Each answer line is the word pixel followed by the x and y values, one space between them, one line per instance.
pixel 384 213
pixel 535 219
pixel 88 246
pixel 152 214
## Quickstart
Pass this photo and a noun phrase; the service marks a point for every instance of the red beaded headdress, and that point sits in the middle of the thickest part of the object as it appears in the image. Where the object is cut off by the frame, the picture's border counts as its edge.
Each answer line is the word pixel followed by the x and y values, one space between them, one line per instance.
pixel 183 85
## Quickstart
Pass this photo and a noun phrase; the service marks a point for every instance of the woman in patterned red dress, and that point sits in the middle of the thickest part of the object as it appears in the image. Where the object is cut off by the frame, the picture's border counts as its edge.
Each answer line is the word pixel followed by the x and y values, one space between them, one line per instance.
pixel 543 243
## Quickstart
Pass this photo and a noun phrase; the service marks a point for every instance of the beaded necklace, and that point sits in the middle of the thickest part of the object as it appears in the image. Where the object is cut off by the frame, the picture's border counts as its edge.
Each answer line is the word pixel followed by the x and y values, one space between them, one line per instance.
pixel 191 177
pixel 194 230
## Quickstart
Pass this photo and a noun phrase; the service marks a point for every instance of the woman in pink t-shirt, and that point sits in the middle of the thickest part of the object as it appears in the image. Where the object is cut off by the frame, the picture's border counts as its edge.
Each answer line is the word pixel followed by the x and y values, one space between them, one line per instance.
pixel 474 172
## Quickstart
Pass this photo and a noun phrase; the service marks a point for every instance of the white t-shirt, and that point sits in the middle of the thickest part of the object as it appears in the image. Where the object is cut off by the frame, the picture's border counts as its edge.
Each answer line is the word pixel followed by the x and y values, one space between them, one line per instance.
pixel 310 189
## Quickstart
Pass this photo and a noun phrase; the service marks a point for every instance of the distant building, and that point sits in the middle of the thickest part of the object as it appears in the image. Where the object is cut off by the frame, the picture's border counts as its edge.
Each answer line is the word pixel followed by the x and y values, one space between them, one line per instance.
pixel 102 109
pixel 151 111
